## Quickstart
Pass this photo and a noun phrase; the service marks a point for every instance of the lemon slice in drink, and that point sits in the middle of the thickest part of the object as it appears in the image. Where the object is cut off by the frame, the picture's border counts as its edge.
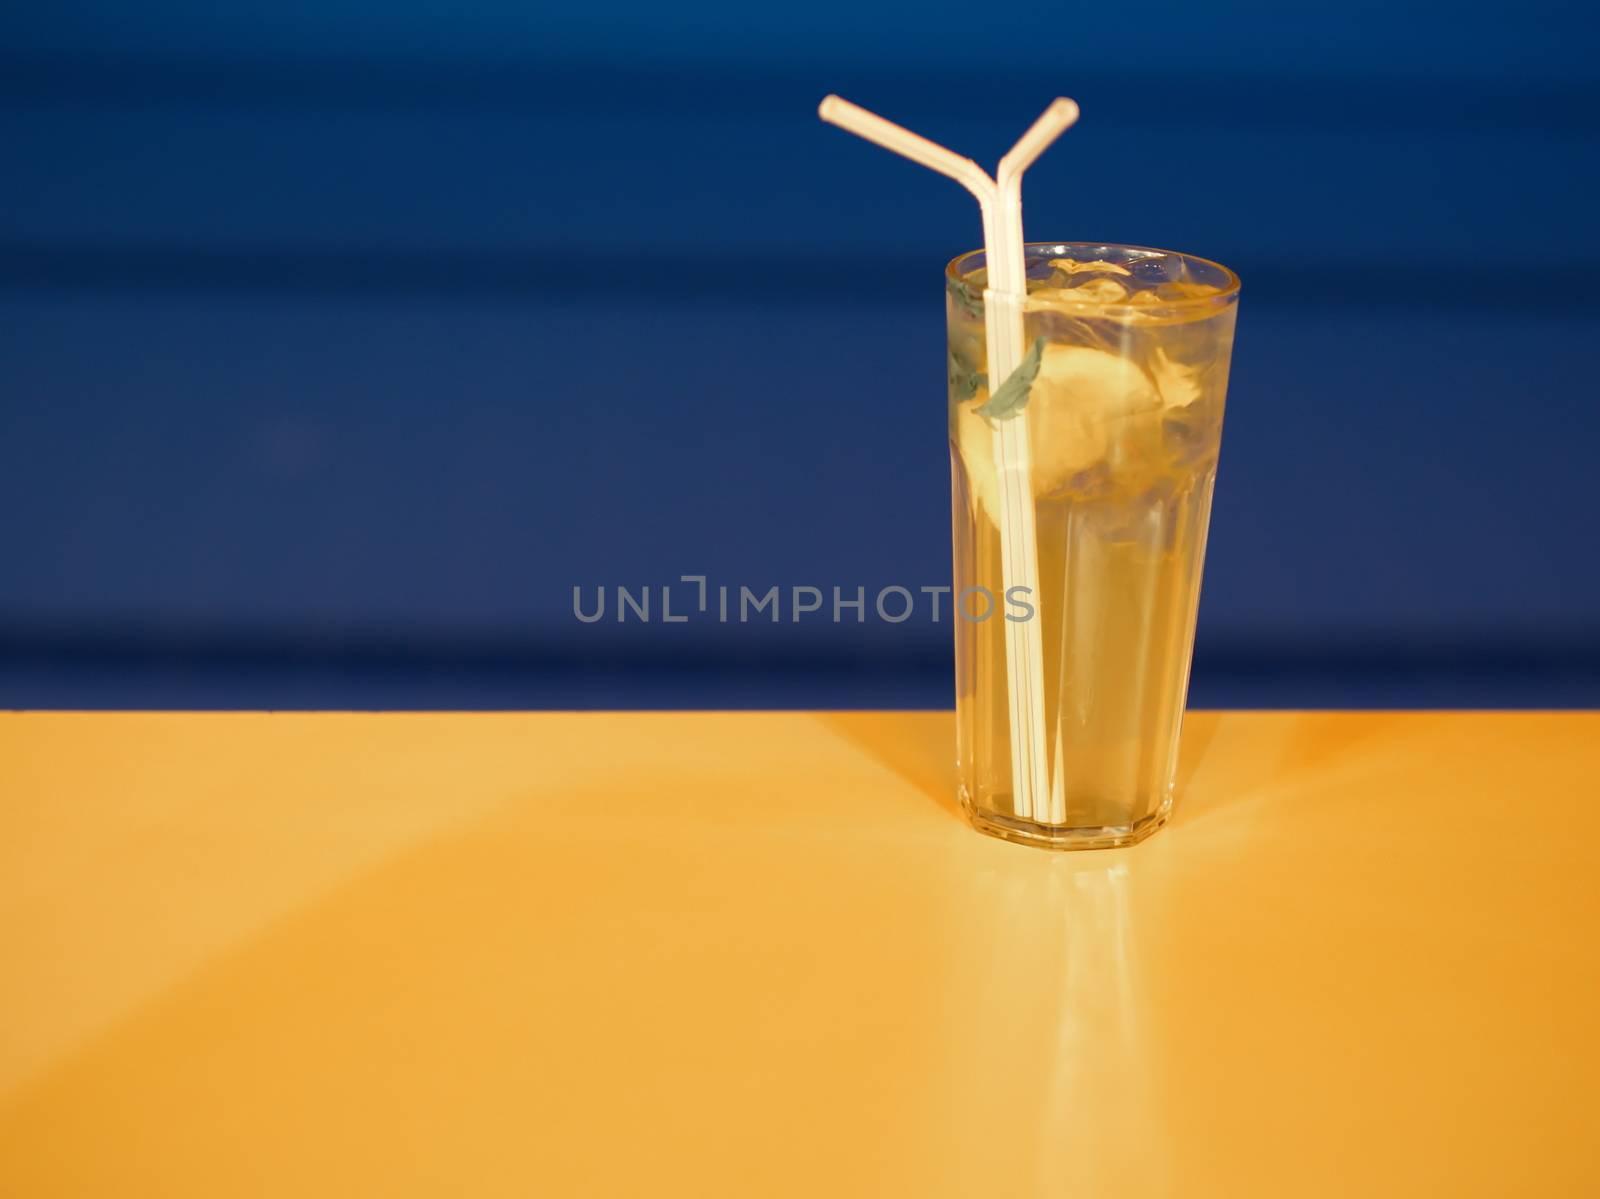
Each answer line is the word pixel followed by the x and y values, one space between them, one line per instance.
pixel 1077 395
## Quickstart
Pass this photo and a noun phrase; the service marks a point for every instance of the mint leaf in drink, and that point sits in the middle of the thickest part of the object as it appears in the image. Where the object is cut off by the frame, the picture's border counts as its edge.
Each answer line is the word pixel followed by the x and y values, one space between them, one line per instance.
pixel 965 384
pixel 971 303
pixel 1011 397
pixel 965 378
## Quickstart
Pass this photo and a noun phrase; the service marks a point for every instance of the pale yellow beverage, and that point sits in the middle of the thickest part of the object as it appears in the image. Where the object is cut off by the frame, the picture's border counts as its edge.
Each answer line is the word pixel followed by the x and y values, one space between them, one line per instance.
pixel 1129 351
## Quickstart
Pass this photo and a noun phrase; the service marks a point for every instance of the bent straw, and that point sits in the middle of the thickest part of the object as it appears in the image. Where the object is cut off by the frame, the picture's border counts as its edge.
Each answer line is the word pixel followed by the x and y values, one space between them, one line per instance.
pixel 1000 205
pixel 857 120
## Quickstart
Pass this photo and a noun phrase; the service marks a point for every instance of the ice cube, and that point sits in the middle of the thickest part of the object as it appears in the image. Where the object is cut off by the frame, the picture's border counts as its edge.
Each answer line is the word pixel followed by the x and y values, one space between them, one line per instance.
pixel 1071 266
pixel 1095 291
pixel 1183 289
pixel 1178 383
pixel 1166 304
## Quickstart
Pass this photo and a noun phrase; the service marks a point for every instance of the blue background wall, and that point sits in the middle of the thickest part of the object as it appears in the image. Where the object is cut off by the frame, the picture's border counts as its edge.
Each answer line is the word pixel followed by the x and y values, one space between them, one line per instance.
pixel 338 341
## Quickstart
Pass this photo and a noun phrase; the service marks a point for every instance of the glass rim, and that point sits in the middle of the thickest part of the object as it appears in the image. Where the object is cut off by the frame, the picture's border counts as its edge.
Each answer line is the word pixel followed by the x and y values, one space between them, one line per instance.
pixel 1058 249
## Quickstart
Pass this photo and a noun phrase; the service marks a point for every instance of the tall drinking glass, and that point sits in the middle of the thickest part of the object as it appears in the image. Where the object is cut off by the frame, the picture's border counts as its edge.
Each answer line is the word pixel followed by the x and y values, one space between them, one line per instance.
pixel 1124 418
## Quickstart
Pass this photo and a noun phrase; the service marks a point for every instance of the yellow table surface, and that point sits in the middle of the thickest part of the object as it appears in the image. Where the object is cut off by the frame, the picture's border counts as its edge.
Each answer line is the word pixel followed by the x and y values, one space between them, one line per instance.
pixel 761 954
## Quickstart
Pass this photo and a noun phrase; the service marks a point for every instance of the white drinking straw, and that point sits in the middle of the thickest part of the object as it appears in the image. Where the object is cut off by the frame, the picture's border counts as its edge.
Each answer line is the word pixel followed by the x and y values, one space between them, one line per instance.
pixel 1000 204
pixel 1015 469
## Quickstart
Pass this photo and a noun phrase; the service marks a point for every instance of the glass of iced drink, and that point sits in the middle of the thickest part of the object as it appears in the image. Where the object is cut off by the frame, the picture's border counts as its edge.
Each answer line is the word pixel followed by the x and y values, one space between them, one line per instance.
pixel 1128 351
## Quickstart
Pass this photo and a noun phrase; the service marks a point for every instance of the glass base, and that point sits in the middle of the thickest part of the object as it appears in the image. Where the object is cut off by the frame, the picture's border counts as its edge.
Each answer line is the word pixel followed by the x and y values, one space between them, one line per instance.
pixel 1055 836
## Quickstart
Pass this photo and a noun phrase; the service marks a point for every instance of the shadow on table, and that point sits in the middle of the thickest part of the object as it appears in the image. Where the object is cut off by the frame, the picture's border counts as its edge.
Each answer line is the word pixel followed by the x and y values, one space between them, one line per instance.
pixel 920 747
pixel 1199 730
pixel 1228 760
pixel 1225 763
